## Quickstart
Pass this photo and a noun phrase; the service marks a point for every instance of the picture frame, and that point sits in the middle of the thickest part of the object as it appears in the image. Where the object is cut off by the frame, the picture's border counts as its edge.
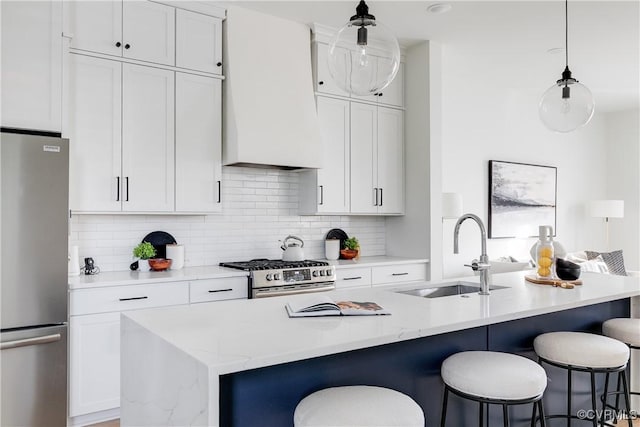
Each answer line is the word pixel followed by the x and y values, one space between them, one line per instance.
pixel 522 196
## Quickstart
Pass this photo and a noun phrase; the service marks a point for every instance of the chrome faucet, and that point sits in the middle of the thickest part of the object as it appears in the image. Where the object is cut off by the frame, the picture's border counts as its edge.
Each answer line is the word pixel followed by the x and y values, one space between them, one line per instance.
pixel 483 265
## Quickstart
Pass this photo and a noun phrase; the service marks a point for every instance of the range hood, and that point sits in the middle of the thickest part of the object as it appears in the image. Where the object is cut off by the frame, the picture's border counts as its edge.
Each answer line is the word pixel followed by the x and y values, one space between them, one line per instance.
pixel 269 111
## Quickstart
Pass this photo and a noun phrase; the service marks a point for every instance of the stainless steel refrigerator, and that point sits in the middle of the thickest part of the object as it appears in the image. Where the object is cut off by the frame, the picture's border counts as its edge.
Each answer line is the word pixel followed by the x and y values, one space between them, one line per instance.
pixel 34 173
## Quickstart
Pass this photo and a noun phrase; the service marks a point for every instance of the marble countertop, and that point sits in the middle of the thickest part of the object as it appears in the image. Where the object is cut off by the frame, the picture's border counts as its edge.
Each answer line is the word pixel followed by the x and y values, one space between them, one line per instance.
pixel 246 334
pixel 120 278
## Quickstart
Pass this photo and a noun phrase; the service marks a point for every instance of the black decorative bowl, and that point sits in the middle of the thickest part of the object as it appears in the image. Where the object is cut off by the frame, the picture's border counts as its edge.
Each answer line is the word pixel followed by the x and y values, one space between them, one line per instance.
pixel 567 270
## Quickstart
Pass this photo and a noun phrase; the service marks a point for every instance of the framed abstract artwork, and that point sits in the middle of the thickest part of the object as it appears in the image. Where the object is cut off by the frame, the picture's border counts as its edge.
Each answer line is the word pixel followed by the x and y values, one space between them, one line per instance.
pixel 521 198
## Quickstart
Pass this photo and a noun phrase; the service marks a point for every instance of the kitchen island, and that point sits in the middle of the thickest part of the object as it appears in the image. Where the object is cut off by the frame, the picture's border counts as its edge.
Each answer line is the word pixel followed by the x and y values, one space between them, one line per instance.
pixel 247 363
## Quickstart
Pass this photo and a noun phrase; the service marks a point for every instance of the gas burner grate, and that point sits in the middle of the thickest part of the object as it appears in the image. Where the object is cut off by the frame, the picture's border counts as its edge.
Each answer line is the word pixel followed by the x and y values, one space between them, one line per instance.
pixel 271 264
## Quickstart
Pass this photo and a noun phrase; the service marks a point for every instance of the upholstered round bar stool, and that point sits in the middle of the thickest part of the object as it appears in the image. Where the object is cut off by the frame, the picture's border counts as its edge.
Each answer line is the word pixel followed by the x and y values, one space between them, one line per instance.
pixel 490 377
pixel 626 330
pixel 358 406
pixel 583 352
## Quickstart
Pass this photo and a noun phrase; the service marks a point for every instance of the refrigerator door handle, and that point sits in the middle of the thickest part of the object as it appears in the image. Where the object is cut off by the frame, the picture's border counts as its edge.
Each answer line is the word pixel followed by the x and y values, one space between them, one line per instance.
pixel 45 339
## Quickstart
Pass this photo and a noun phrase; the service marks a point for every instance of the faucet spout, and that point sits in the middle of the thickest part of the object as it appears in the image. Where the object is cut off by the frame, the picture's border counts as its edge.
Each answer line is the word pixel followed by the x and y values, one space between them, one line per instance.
pixel 483 265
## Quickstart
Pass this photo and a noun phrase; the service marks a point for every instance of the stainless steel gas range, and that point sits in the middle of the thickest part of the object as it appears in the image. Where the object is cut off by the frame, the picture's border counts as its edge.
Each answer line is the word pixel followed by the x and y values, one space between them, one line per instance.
pixel 270 278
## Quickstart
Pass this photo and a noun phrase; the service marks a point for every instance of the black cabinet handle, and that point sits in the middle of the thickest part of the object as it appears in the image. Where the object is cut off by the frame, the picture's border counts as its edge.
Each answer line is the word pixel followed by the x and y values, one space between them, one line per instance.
pixel 321 194
pixel 352 278
pixel 219 191
pixel 213 291
pixel 126 179
pixel 320 83
pixel 219 64
pixel 127 46
pixel 132 298
pixel 118 44
pixel 380 94
pixel 399 274
pixel 117 188
pixel 380 197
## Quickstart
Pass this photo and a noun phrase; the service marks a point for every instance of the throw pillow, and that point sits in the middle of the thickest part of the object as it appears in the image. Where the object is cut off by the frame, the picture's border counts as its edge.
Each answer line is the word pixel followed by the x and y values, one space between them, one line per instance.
pixel 596 265
pixel 614 261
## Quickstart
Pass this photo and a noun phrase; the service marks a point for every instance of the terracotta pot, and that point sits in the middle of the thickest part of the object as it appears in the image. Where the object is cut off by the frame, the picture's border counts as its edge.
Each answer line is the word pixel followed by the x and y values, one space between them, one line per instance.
pixel 348 253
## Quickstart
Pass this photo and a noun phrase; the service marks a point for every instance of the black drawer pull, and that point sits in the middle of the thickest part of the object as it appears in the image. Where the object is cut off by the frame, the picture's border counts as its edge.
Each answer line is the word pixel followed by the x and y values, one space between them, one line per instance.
pixel 219 64
pixel 132 298
pixel 399 274
pixel 352 278
pixel 213 291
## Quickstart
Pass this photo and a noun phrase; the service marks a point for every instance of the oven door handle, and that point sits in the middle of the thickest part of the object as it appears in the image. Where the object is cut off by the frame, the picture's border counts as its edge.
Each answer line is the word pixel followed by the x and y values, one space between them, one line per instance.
pixel 257 293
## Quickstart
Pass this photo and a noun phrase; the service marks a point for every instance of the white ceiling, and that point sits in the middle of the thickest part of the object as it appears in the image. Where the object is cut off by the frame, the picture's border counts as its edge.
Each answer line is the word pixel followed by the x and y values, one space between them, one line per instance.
pixel 604 37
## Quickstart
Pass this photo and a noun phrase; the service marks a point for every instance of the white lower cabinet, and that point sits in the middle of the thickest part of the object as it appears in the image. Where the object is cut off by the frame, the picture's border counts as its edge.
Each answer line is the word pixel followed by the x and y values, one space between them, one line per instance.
pixel 353 277
pixel 94 361
pixel 94 355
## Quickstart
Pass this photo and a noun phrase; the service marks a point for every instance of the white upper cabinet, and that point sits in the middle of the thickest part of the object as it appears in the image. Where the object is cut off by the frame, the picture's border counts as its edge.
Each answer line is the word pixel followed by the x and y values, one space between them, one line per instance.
pixel 122 127
pixel 377 160
pixel 198 143
pixel 324 83
pixel 326 190
pixel 31 65
pixel 390 161
pixel 95 131
pixel 393 95
pixel 134 29
pixel 198 42
pixel 147 138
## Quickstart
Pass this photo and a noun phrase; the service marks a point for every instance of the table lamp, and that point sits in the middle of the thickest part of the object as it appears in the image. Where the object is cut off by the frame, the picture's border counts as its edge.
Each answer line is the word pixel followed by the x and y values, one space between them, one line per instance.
pixel 606 209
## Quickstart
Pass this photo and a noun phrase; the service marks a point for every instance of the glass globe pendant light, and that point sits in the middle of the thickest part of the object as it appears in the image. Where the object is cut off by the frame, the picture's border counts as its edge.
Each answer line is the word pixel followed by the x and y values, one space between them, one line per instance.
pixel 364 55
pixel 568 104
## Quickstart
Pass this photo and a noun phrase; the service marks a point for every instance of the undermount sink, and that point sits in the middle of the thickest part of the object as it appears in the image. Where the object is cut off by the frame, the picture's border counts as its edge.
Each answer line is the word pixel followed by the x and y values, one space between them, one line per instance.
pixel 448 289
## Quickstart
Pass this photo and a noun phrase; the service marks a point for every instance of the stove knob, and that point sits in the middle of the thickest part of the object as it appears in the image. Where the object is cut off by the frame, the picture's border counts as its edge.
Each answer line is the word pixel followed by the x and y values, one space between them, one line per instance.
pixel 322 272
pixel 329 272
pixel 269 277
pixel 315 273
pixel 276 276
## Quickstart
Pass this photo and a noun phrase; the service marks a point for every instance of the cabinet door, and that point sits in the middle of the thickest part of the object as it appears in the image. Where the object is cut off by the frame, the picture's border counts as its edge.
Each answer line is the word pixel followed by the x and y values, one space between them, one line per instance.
pixel 198 42
pixel 94 363
pixel 390 160
pixel 198 143
pixel 324 82
pixel 95 26
pixel 333 178
pixel 394 93
pixel 95 134
pixel 148 29
pixel 32 65
pixel 147 138
pixel 363 158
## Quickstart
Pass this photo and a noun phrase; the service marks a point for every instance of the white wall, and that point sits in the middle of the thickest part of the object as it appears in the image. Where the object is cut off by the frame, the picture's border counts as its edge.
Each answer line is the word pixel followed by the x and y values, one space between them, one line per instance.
pixel 623 183
pixel 490 114
pixel 259 207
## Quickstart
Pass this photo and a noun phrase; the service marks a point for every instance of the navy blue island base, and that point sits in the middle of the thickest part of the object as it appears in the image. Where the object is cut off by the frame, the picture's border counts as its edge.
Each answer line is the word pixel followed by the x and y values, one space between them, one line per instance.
pixel 268 396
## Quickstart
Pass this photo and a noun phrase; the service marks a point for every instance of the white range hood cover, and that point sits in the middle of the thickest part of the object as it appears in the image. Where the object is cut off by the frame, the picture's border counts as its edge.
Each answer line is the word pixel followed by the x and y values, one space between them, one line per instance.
pixel 269 111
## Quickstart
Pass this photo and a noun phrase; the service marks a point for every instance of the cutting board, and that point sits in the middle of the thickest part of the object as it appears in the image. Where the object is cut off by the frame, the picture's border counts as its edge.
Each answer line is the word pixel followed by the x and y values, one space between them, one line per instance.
pixel 567 284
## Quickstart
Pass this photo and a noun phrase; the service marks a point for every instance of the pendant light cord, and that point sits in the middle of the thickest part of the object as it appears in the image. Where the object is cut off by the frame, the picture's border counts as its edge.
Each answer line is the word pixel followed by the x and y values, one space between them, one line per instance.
pixel 566 32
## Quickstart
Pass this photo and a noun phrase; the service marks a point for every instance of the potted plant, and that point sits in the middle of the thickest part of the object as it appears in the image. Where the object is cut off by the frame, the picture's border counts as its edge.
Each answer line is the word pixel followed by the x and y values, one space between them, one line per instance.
pixel 351 248
pixel 144 251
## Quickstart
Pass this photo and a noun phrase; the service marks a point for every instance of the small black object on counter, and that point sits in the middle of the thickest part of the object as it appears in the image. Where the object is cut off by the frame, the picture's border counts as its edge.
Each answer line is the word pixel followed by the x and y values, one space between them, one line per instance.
pixel 567 270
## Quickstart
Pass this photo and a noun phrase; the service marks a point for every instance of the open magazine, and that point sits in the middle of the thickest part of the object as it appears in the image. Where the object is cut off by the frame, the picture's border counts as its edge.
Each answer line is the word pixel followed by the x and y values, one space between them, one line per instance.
pixel 322 305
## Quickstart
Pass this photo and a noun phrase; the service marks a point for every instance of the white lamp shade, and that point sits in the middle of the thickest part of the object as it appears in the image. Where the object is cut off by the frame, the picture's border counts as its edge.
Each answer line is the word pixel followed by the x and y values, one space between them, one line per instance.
pixel 606 208
pixel 451 205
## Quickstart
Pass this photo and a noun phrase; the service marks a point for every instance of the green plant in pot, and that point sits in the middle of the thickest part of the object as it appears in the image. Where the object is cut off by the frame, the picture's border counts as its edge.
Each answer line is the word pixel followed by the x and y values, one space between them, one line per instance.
pixel 144 251
pixel 351 248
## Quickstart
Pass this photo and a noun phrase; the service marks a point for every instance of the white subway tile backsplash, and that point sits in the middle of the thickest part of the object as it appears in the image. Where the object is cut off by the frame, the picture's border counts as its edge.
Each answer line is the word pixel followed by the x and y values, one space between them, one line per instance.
pixel 259 209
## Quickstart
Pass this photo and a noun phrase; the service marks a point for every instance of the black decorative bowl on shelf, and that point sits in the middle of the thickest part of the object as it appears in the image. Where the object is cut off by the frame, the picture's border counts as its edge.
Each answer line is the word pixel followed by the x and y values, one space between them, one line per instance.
pixel 567 270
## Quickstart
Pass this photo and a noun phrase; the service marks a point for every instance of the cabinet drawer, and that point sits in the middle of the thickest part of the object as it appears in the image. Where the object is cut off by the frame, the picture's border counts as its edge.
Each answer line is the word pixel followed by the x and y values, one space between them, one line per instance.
pixel 398 273
pixel 131 297
pixel 353 277
pixel 218 289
